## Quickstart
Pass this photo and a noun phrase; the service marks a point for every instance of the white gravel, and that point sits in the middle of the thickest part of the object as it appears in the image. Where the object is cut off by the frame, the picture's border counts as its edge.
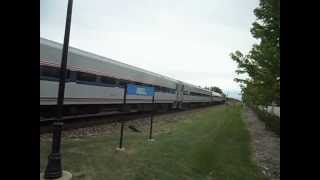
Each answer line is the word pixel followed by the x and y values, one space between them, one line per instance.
pixel 266 146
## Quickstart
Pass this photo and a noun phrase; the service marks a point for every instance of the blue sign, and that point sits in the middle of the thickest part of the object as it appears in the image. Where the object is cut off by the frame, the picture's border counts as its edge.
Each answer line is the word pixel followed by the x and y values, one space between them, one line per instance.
pixel 133 89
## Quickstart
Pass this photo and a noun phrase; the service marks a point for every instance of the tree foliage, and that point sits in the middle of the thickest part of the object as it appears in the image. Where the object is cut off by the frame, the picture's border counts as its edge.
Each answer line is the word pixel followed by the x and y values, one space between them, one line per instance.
pixel 262 63
pixel 214 89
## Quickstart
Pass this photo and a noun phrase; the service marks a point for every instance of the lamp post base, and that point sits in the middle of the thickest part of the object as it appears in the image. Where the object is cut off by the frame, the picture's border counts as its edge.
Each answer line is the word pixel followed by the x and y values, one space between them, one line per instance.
pixel 65 176
pixel 120 149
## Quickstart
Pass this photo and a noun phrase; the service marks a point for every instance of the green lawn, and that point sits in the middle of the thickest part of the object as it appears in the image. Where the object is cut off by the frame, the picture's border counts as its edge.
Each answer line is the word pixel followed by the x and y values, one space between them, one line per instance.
pixel 208 144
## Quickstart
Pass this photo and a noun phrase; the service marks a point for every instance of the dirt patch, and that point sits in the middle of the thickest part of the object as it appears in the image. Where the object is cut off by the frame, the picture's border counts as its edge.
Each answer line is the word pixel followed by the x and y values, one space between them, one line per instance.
pixel 266 146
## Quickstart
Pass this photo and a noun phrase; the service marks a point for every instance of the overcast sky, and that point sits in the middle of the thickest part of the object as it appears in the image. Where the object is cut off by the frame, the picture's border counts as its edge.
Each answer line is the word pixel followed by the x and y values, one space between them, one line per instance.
pixel 189 40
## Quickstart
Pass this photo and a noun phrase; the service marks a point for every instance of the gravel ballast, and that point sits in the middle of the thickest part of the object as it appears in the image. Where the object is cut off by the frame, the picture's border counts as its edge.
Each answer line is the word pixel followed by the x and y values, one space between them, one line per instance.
pixel 266 145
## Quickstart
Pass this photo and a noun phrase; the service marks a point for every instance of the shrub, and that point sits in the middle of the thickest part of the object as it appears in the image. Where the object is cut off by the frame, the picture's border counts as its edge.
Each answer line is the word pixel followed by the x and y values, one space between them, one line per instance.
pixel 271 121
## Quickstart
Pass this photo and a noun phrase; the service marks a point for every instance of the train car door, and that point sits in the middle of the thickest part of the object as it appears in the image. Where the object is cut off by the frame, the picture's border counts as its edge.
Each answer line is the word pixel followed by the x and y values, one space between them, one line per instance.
pixel 180 88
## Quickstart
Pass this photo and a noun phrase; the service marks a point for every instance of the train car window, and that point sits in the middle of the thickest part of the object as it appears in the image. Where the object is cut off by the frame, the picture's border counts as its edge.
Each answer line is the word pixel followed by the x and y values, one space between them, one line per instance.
pixel 197 94
pixel 167 90
pixel 68 74
pixel 48 71
pixel 172 91
pixel 51 73
pixel 81 76
pixel 157 88
pixel 139 84
pixel 107 80
pixel 122 82
pixel 72 75
pixel 164 89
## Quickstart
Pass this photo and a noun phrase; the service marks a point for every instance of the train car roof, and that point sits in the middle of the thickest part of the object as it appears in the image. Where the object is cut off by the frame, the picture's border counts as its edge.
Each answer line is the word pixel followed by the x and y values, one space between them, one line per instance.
pixel 216 94
pixel 121 64
pixel 196 87
pixel 101 58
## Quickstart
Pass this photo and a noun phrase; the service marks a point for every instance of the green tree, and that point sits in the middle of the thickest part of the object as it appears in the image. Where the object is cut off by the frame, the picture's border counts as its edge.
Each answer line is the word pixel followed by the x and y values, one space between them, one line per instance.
pixel 216 89
pixel 262 63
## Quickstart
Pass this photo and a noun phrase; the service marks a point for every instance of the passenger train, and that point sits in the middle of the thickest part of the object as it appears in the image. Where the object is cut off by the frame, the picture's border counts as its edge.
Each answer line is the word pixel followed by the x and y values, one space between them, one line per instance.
pixel 95 83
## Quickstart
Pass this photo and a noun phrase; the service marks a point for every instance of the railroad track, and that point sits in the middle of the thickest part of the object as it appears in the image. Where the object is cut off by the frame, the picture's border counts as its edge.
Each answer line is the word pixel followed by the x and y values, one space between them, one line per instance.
pixel 70 119
pixel 87 120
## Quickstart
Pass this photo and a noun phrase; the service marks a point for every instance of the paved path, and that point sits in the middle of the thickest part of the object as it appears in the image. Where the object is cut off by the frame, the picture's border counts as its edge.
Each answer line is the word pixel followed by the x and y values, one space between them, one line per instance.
pixel 266 146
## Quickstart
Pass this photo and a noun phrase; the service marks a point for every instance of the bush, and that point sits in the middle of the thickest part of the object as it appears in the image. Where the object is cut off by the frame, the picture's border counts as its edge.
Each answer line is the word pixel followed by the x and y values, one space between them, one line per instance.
pixel 271 121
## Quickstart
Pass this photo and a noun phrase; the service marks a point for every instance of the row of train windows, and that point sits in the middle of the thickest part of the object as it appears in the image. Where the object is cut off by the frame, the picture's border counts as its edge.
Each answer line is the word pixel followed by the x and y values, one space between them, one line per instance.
pixel 198 94
pixel 195 94
pixel 52 73
pixel 164 89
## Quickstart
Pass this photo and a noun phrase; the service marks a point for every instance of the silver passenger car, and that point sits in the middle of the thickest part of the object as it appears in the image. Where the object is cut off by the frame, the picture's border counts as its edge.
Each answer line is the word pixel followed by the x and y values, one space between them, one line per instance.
pixel 86 88
pixel 96 80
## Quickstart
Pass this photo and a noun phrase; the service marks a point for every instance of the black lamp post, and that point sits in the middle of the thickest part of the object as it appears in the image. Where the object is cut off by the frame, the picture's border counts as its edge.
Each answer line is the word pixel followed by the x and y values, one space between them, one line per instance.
pixel 54 169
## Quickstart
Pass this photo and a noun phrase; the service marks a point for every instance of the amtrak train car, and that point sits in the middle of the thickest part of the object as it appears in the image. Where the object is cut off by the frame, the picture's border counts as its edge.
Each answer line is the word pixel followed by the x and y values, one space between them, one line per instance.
pixel 95 83
pixel 217 98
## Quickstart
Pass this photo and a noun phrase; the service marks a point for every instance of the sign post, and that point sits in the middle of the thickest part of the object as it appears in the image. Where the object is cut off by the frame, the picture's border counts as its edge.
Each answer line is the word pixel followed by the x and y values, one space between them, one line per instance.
pixel 151 120
pixel 54 168
pixel 120 148
pixel 133 89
